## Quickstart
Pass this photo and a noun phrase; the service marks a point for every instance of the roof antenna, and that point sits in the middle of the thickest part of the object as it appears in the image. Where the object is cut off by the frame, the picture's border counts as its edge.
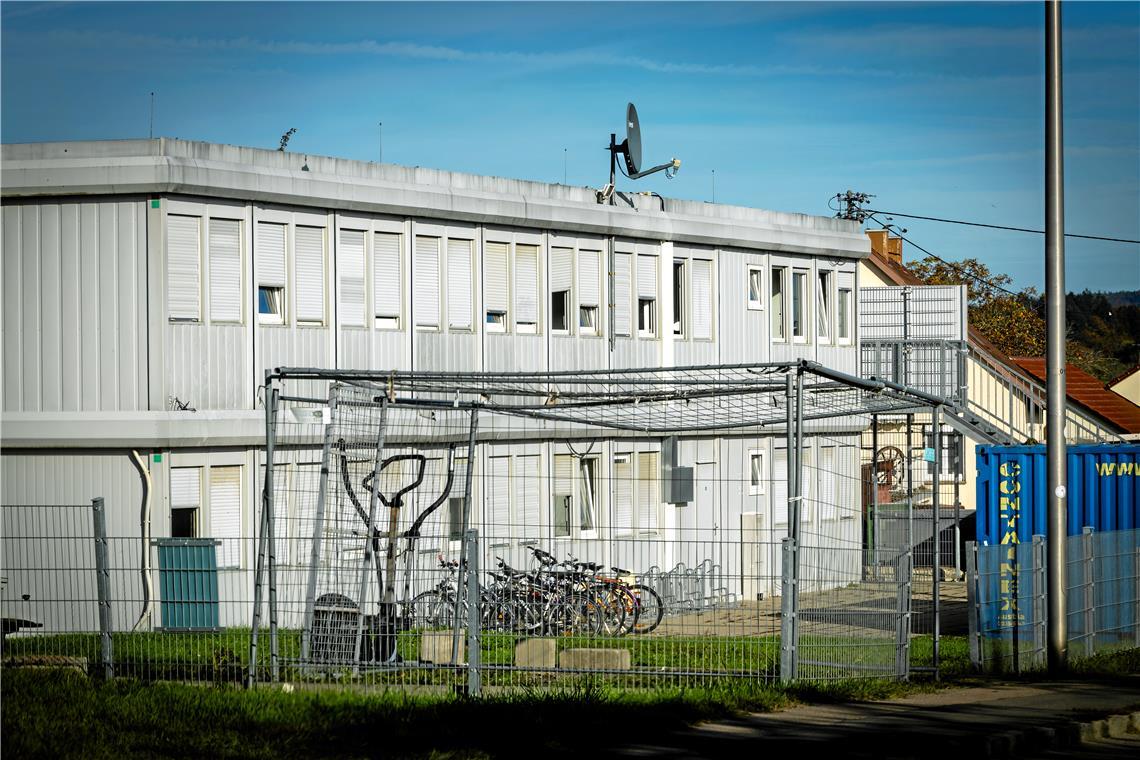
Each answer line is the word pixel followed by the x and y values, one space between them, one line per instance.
pixel 630 149
pixel 151 134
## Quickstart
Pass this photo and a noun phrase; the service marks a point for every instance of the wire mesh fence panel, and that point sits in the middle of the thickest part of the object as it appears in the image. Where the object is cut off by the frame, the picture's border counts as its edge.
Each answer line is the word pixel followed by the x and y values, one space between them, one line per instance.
pixel 1008 608
pixel 479 529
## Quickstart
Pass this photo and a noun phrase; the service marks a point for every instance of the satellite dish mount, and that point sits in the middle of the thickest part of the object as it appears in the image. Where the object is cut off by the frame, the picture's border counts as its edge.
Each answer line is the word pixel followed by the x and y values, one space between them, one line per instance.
pixel 630 151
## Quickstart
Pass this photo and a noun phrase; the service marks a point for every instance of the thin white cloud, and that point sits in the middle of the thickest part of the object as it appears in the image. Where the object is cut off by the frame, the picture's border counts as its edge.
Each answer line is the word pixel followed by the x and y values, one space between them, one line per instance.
pixel 926 38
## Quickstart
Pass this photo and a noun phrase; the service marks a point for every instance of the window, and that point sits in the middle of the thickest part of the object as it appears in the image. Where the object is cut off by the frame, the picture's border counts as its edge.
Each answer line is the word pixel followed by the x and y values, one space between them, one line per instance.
pixel 780 487
pixel 679 298
pixel 648 494
pixel 225 270
pixel 575 494
pixel 270 264
pixel 828 494
pixel 622 274
pixel 755 287
pixel 498 528
pixel 350 269
pixel 823 306
pixel 225 513
pixel 951 469
pixel 799 306
pixel 426 276
pixel 647 296
pixel 496 286
pixel 309 262
pixel 623 495
pixel 387 283
pixel 756 474
pixel 779 317
pixel 527 497
pixel 526 289
pixel 561 281
pixel 183 262
pixel 589 292
pixel 185 499
pixel 455 518
pixel 702 299
pixel 459 284
pixel 843 315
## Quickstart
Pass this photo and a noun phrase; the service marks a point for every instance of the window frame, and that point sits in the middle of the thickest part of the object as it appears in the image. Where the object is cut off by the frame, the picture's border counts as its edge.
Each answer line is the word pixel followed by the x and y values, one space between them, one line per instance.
pixel 271 317
pixel 680 316
pixel 825 285
pixel 567 307
pixel 757 270
pixel 847 311
pixel 523 327
pixel 778 280
pixel 800 297
pixel 502 322
pixel 757 487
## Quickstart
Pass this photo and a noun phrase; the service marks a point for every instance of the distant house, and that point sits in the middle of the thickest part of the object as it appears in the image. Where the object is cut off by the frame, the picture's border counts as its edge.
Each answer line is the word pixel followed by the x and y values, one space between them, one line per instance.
pixel 1127 384
pixel 1092 395
pixel 1004 398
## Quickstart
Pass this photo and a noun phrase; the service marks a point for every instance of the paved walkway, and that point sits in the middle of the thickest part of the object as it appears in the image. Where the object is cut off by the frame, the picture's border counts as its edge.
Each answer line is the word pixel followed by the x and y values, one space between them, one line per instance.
pixel 1040 720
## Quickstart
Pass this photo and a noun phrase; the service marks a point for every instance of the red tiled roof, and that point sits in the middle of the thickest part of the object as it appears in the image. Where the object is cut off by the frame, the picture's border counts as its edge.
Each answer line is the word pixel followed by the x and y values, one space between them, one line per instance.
pixel 1090 393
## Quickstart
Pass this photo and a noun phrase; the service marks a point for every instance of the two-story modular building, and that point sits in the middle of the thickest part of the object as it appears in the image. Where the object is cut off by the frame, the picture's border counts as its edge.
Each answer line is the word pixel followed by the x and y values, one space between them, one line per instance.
pixel 149 284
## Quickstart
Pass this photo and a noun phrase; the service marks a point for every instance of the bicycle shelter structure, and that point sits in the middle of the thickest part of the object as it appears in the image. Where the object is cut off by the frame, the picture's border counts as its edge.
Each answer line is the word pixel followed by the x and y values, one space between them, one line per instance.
pixel 733 492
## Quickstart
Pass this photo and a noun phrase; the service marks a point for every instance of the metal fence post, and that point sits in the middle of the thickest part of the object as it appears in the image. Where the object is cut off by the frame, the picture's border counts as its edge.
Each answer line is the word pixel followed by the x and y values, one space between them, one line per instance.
pixel 103 586
pixel 474 677
pixel 787 611
pixel 1088 565
pixel 1040 600
pixel 973 607
pixel 902 609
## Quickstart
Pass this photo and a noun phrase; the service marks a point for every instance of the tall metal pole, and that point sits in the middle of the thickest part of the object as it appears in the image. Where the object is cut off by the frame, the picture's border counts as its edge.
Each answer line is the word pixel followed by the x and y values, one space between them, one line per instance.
pixel 936 509
pixel 1055 341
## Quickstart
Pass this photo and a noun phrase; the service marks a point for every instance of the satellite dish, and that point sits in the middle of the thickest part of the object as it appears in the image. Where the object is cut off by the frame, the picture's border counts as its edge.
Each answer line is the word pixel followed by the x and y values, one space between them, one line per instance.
pixel 632 140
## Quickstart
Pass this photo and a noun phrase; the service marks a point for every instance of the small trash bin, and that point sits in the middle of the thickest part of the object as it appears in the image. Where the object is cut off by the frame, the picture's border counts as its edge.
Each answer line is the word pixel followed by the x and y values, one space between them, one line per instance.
pixel 188 583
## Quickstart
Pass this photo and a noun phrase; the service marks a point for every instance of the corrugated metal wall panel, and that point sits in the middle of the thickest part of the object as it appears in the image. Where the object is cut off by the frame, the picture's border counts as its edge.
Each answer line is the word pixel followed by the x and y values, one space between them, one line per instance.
pixel 12 326
pixel 206 365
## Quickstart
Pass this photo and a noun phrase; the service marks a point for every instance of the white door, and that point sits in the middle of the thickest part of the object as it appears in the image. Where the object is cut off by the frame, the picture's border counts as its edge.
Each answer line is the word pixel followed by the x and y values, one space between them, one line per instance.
pixel 752 555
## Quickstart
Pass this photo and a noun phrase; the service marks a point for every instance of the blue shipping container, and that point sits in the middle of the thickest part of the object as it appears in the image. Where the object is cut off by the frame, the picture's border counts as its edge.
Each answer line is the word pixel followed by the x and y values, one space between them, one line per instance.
pixel 1102 490
pixel 1102 494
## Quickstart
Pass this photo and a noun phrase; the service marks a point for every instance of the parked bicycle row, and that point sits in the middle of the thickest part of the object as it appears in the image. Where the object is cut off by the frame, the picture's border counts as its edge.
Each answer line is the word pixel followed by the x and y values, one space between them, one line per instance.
pixel 568 597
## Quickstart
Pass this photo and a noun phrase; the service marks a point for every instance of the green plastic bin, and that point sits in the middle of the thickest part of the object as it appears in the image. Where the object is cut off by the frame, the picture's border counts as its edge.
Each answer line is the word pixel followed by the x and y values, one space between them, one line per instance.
pixel 188 583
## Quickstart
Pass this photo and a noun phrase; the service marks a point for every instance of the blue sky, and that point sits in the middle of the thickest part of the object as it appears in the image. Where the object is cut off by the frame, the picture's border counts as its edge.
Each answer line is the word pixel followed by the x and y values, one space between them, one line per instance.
pixel 934 108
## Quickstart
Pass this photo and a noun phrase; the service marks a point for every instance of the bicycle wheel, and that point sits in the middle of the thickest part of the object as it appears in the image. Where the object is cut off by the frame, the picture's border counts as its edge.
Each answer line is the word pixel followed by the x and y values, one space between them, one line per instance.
pixel 608 608
pixel 650 609
pixel 424 610
pixel 571 615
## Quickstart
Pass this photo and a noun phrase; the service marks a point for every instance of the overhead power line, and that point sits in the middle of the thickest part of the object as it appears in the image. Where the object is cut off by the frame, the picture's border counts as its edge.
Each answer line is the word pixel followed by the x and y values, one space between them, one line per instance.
pixel 998 226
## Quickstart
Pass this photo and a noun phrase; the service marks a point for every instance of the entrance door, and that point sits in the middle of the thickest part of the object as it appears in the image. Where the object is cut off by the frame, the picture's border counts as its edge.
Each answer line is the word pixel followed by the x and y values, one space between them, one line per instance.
pixel 752 555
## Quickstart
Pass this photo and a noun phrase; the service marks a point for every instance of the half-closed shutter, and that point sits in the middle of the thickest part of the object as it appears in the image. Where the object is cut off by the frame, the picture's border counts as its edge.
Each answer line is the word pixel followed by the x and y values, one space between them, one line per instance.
pixel 622 265
pixel 563 488
pixel 561 269
pixel 527 488
pixel 647 276
pixel 496 284
pixel 386 282
pixel 589 278
pixel 225 513
pixel 426 275
pixel 183 261
pixel 309 258
pixel 459 283
pixel 623 496
pixel 225 270
pixel 185 487
pixel 702 299
pixel 828 508
pixel 526 284
pixel 270 255
pixel 647 501
pixel 499 528
pixel 350 269
pixel 780 487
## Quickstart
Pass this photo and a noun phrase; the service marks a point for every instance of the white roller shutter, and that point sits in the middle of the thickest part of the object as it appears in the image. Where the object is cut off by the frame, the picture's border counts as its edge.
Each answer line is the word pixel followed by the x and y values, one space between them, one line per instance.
pixel 589 278
pixel 183 262
pixel 647 276
pixel 623 496
pixel 309 260
pixel 561 269
pixel 526 284
pixel 527 489
pixel 499 528
pixel 225 513
pixel 702 299
pixel 185 487
pixel 350 271
pixel 828 506
pixel 459 284
pixel 496 283
pixel 426 276
pixel 647 492
pixel 270 255
pixel 225 270
pixel 622 265
pixel 386 281
pixel 780 487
